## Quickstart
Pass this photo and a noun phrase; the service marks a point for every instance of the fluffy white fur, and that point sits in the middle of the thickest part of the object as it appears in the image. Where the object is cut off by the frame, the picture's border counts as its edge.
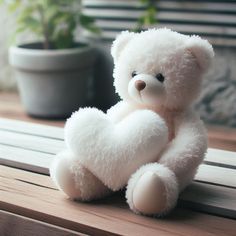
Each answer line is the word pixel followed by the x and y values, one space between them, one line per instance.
pixel 72 178
pixel 100 140
pixel 152 140
pixel 154 200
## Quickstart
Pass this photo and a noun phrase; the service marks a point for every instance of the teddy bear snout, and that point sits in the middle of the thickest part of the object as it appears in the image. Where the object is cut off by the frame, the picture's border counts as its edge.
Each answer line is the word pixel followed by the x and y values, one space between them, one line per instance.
pixel 140 85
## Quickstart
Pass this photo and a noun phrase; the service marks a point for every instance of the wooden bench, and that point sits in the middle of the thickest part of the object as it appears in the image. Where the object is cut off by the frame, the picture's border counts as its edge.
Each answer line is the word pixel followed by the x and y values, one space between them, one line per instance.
pixel 31 205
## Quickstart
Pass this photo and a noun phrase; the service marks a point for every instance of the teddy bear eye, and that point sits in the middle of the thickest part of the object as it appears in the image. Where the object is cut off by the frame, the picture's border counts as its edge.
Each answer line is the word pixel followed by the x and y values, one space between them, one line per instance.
pixel 160 77
pixel 134 73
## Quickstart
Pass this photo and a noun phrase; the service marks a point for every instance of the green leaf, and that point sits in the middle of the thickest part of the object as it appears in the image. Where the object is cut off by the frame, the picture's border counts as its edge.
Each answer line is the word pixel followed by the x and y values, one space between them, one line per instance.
pixel 53 20
pixel 85 20
pixel 20 29
pixel 14 6
pixel 93 29
pixel 149 16
pixel 51 12
pixel 64 40
pixel 31 22
pixel 25 13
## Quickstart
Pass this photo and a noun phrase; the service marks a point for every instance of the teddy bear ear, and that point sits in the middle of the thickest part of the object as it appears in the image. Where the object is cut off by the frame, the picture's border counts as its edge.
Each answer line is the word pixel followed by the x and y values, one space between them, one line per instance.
pixel 120 42
pixel 202 50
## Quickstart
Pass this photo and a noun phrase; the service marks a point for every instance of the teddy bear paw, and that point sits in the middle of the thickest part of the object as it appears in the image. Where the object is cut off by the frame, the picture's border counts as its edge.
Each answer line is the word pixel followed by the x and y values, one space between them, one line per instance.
pixel 149 194
pixel 152 190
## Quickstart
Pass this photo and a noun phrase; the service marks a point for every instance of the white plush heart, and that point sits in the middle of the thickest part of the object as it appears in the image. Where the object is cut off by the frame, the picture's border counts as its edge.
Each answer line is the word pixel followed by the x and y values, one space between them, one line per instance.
pixel 112 152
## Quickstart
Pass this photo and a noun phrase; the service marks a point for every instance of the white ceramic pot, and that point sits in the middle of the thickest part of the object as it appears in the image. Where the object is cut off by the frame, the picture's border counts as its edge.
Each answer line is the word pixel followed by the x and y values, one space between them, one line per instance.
pixel 53 83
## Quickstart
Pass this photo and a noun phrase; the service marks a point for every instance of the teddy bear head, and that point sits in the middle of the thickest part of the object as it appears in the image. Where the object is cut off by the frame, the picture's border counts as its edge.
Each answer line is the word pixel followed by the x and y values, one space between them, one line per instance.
pixel 160 67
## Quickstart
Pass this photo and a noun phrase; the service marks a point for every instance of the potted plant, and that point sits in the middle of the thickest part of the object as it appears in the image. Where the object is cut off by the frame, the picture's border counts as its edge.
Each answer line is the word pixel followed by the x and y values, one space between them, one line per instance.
pixel 53 74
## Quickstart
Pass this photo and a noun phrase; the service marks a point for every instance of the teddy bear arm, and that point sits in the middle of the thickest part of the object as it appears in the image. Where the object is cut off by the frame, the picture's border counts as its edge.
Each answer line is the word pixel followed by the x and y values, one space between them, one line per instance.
pixel 154 188
pixel 187 150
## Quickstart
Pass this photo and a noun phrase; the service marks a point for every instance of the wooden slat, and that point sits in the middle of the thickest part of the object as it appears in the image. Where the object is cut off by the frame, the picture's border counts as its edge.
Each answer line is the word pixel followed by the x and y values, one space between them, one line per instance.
pixel 30 128
pixel 25 159
pixel 216 175
pixel 107 216
pixel 201 6
pixel 12 224
pixel 221 42
pixel 219 36
pixel 27 177
pixel 210 198
pixel 120 3
pixel 110 36
pixel 190 29
pixel 164 5
pixel 164 16
pixel 31 142
pixel 221 157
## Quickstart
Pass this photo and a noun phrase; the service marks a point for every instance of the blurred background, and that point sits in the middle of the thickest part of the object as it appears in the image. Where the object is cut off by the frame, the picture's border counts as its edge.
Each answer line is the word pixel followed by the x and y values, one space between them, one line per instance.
pixel 213 20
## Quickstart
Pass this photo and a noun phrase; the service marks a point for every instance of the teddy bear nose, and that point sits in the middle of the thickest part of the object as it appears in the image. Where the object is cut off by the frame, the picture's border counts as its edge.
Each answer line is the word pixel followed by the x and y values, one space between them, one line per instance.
pixel 140 85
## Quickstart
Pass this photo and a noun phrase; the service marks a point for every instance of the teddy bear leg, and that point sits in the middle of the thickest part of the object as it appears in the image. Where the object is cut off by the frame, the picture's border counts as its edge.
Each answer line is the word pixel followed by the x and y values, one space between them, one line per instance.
pixel 76 181
pixel 152 190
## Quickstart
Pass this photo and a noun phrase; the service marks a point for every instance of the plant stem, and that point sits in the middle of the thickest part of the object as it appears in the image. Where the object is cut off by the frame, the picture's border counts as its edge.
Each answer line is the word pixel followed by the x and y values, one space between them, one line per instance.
pixel 46 43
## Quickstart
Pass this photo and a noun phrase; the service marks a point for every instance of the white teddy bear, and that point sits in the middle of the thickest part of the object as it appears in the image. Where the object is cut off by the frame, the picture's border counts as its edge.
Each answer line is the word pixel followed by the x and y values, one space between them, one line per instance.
pixel 151 141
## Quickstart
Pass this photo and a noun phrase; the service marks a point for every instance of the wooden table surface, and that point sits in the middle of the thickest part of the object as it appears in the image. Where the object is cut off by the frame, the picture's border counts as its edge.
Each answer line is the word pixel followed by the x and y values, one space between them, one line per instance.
pixel 34 196
pixel 31 205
